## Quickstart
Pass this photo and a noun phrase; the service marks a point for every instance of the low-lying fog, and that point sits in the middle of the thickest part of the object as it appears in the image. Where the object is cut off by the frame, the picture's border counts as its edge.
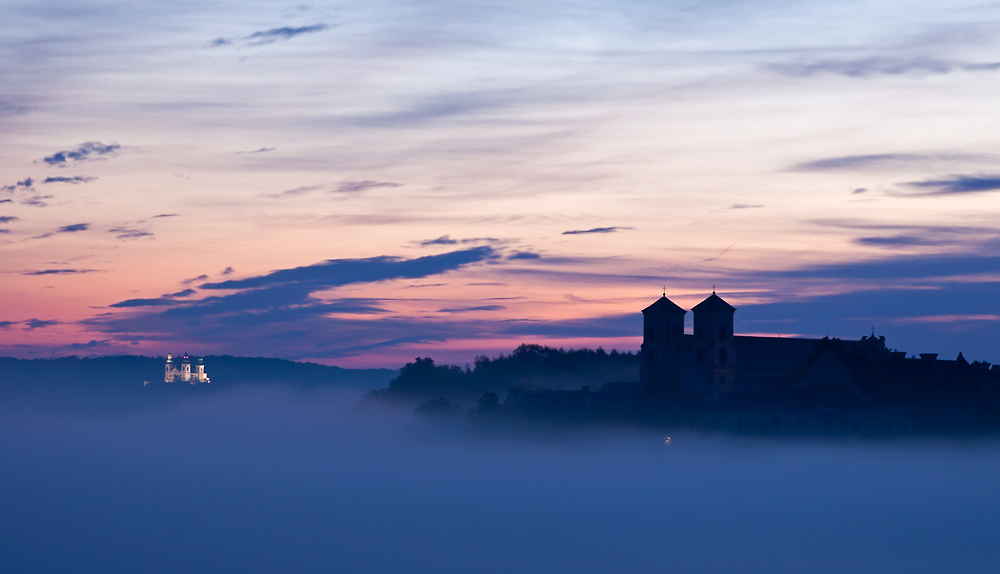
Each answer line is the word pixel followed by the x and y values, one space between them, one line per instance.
pixel 270 481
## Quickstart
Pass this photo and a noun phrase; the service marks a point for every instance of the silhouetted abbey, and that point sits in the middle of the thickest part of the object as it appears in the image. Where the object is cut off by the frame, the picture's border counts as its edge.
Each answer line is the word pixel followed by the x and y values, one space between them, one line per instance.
pixel 717 380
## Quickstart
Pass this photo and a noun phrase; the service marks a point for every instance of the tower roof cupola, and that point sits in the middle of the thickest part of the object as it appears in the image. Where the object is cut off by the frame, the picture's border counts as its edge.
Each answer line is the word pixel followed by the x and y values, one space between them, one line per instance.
pixel 663 305
pixel 714 303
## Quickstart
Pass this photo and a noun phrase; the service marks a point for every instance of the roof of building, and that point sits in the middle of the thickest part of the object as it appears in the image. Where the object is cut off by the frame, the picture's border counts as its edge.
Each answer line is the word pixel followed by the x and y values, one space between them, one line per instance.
pixel 714 303
pixel 664 305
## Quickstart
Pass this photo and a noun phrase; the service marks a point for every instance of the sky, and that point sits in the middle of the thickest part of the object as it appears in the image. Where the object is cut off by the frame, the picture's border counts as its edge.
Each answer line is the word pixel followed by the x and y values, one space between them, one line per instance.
pixel 362 183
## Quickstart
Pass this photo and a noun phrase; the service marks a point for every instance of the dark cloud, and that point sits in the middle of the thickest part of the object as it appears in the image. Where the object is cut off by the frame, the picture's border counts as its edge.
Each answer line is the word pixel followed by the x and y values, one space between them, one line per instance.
pixel 7 218
pixel 338 272
pixel 471 309
pixel 168 299
pixel 859 190
pixel 4 231
pixel 358 186
pixel 284 33
pixel 261 150
pixel 860 162
pixel 33 324
pixel 278 309
pixel 126 233
pixel 219 42
pixel 958 184
pixel 596 230
pixel 74 180
pixel 86 151
pixel 227 271
pixel 868 67
pixel 7 324
pixel 165 215
pixel 6 201
pixel 60 272
pixel 92 344
pixel 744 206
pixel 524 255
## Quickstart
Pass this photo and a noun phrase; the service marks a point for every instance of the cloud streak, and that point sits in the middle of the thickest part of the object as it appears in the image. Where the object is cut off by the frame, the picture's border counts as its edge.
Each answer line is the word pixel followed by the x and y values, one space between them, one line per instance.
pixel 596 230
pixel 957 185
pixel 881 66
pixel 87 151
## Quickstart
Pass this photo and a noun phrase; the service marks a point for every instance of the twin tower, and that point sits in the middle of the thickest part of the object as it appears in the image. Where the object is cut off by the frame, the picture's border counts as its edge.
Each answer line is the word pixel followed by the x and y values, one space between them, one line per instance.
pixel 704 362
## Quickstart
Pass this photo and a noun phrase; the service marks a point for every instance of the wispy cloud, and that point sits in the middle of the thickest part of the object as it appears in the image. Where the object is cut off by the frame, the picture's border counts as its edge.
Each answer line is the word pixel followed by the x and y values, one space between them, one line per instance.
pixel 26 183
pixel 261 150
pixel 36 200
pixel 881 66
pixel 957 184
pixel 745 206
pixel 74 180
pixel 358 186
pixel 75 228
pixel 168 299
pixel 165 215
pixel 261 37
pixel 903 241
pixel 227 271
pixel 33 324
pixel 87 151
pixel 60 272
pixel 524 255
pixel 862 162
pixel 128 233
pixel 193 279
pixel 596 230
pixel 339 187
pixel 8 218
pixel 472 309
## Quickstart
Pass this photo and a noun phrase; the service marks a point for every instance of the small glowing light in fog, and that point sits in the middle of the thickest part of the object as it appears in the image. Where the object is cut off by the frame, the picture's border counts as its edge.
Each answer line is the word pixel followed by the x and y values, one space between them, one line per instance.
pixel 666 440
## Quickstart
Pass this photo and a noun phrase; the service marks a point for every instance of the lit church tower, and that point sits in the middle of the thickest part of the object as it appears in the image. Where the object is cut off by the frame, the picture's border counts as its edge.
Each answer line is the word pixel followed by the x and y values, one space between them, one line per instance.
pixel 169 370
pixel 663 339
pixel 186 368
pixel 713 335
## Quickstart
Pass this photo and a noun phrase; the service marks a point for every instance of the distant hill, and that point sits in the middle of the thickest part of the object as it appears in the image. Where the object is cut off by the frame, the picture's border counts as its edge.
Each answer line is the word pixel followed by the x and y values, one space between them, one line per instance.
pixel 116 382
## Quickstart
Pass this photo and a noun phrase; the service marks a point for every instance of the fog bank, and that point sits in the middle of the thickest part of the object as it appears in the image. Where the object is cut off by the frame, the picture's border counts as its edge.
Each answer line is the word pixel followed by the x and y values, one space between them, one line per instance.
pixel 265 480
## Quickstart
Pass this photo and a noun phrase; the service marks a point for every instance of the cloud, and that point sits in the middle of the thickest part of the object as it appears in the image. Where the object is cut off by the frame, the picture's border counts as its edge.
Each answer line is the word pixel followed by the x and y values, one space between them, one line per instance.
pixel 262 37
pixel 861 162
pixel 881 66
pixel 285 33
pixel 93 343
pixel 902 241
pixel 958 184
pixel 261 150
pixel 4 231
pixel 524 255
pixel 6 201
pixel 168 299
pixel 859 191
pixel 596 230
pixel 165 215
pixel 26 183
pixel 443 240
pixel 36 200
pixel 75 228
pixel 11 109
pixel 744 206
pixel 60 272
pixel 358 186
pixel 227 271
pixel 74 180
pixel 87 151
pixel 126 234
pixel 278 310
pixel 33 324
pixel 194 279
pixel 7 324
pixel 7 218
pixel 471 309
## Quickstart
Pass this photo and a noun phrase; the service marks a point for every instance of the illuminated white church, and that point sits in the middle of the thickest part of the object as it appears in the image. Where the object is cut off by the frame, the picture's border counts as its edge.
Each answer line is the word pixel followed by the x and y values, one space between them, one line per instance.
pixel 172 373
